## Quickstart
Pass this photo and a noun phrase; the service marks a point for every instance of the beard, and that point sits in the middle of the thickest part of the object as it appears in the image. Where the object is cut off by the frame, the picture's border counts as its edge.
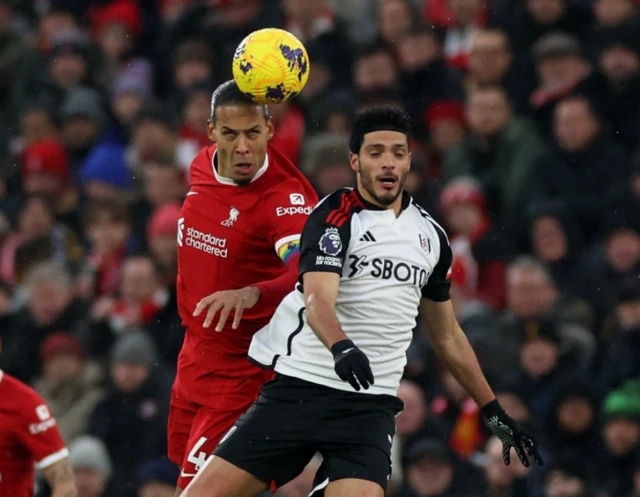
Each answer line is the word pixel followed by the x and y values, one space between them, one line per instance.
pixel 385 197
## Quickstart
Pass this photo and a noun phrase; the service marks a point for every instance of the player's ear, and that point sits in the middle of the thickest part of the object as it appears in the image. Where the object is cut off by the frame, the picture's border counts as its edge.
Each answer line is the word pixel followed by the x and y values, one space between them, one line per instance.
pixel 354 162
pixel 211 131
pixel 271 127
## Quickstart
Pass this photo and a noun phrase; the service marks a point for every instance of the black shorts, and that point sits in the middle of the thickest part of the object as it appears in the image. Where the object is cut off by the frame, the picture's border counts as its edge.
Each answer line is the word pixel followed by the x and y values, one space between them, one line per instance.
pixel 292 419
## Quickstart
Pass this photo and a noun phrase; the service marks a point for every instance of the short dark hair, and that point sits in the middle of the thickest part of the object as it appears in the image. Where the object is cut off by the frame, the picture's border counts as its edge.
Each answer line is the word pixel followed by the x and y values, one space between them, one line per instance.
pixel 228 93
pixel 378 118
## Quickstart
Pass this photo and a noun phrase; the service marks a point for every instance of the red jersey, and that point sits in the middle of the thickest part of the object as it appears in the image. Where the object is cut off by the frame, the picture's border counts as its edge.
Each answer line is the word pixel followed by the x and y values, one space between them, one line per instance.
pixel 231 237
pixel 29 437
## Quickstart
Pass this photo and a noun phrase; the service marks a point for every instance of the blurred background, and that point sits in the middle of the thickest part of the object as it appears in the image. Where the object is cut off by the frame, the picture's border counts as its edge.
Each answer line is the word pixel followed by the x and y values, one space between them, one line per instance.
pixel 526 116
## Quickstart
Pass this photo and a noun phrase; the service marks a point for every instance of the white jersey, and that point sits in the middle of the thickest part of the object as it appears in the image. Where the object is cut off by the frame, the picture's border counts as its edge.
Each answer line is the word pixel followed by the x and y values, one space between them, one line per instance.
pixel 387 264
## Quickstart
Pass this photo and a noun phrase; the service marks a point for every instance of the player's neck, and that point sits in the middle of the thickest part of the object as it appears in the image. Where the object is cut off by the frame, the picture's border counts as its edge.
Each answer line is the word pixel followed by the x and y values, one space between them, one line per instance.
pixel 396 205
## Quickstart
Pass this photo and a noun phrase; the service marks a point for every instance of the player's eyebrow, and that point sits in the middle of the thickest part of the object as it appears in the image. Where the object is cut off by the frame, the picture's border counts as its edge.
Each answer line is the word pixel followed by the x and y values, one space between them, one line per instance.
pixel 227 129
pixel 382 146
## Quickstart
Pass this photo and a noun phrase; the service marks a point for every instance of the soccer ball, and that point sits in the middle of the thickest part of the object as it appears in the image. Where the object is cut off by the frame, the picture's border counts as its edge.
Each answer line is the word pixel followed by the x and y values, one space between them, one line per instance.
pixel 271 66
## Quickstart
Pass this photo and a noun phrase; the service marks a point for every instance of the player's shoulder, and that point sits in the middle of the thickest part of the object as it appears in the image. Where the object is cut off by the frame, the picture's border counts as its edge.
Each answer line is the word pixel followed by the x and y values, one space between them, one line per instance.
pixel 337 207
pixel 22 398
pixel 290 189
pixel 425 221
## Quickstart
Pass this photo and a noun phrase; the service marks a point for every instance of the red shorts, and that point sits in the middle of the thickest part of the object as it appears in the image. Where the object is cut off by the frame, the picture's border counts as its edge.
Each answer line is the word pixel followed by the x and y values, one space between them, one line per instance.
pixel 204 406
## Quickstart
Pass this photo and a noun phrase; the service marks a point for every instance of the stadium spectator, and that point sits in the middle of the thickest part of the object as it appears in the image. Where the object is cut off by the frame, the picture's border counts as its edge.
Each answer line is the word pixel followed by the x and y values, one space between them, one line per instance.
pixel 480 252
pixel 621 439
pixel 157 478
pixel 581 163
pixel 503 480
pixel 71 385
pixel 50 307
pixel 556 242
pixel 502 151
pixel 92 467
pixel 424 76
pixel 135 408
pixel 527 277
pixel 573 425
pixel 431 468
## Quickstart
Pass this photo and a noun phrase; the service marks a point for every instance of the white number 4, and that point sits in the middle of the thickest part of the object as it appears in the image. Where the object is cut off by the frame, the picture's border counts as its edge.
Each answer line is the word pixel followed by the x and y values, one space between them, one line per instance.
pixel 201 457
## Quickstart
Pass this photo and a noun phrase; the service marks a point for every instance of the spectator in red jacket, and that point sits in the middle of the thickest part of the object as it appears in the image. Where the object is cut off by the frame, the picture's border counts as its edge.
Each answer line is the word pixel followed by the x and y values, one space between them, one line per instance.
pixel 480 252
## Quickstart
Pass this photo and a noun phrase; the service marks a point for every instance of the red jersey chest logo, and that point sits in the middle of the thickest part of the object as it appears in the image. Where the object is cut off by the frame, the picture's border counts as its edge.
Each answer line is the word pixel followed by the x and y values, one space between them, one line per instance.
pixel 233 217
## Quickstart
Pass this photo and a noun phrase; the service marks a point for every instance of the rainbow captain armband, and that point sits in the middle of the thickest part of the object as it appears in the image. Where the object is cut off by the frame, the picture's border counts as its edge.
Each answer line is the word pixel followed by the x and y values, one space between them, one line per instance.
pixel 288 247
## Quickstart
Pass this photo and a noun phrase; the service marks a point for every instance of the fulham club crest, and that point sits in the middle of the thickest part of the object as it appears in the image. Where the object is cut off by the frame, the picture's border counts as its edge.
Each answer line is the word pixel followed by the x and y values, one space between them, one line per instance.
pixel 425 243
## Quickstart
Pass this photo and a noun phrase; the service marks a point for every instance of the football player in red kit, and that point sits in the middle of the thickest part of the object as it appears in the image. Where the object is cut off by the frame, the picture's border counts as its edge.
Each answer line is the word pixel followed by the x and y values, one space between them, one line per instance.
pixel 238 250
pixel 30 438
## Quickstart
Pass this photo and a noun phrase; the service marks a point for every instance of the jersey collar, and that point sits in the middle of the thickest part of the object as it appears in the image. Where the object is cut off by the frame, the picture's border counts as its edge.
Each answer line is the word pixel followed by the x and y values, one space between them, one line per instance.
pixel 229 182
pixel 406 201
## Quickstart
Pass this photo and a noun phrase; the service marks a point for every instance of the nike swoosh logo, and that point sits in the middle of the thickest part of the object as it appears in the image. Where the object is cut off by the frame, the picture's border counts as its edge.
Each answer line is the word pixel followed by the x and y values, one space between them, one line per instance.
pixel 348 350
pixel 192 193
pixel 187 475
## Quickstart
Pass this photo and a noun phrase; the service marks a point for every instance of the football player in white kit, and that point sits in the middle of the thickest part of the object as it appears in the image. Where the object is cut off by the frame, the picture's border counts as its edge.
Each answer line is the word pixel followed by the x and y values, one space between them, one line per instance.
pixel 370 259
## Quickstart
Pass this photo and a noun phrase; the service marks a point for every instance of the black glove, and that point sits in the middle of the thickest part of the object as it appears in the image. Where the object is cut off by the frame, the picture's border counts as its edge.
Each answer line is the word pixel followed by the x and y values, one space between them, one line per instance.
pixel 511 434
pixel 351 364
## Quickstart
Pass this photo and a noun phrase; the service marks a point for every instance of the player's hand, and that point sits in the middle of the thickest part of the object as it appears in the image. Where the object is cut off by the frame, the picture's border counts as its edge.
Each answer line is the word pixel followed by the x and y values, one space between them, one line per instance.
pixel 511 434
pixel 352 365
pixel 225 302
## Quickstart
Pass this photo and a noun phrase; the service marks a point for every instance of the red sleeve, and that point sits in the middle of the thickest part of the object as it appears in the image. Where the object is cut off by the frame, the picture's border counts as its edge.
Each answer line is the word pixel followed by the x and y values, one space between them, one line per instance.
pixel 287 210
pixel 38 432
pixel 273 291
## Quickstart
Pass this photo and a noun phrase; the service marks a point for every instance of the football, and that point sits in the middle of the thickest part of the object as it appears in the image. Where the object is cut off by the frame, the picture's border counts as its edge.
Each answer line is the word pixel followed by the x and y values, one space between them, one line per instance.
pixel 271 66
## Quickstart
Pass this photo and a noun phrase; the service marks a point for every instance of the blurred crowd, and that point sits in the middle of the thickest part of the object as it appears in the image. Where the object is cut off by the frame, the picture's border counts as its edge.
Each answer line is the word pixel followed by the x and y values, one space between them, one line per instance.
pixel 526 118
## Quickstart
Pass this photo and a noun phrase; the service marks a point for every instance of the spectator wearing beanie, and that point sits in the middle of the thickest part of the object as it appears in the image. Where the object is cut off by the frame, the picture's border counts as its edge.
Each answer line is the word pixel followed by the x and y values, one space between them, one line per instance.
pixel 116 25
pixel 572 429
pixel 45 170
pixel 445 121
pixel 92 467
pixel 162 231
pixel 83 121
pixel 480 253
pixel 157 478
pixel 105 175
pixel 70 384
pixel 135 409
pixel 621 437
pixel 130 91
pixel 68 64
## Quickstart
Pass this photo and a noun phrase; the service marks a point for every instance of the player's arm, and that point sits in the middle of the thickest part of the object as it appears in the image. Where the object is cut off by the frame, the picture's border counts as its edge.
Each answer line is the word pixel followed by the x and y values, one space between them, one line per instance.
pixel 323 251
pixel 453 348
pixel 285 214
pixel 60 478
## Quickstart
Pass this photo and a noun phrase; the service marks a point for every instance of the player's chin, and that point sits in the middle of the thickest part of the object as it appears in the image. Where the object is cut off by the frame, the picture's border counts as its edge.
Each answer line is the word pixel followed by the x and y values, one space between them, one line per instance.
pixel 244 174
pixel 386 196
